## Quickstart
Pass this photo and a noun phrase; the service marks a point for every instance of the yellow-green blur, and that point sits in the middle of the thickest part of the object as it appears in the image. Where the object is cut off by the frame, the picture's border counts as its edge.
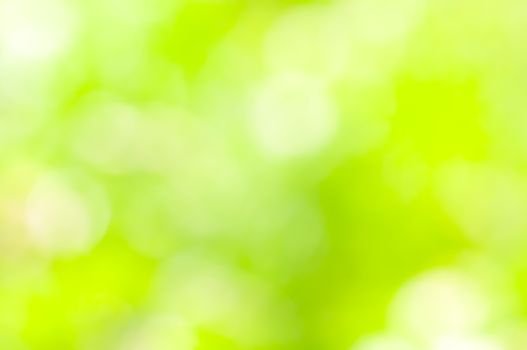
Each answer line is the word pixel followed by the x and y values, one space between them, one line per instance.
pixel 263 175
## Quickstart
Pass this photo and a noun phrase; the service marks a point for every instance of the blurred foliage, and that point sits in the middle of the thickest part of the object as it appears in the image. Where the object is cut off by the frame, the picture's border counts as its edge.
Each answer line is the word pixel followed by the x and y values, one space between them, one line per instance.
pixel 263 175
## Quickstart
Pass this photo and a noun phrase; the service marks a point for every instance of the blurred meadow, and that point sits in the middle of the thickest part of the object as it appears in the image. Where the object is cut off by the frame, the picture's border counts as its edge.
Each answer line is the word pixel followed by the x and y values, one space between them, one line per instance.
pixel 263 175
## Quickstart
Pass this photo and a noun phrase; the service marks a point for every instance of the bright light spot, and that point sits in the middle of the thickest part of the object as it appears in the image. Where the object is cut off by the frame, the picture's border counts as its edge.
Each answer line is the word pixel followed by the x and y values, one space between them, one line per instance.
pixel 162 332
pixel 35 30
pixel 292 116
pixel 222 299
pixel 107 133
pixel 63 219
pixel 437 303
pixel 384 342
pixel 489 204
pixel 397 18
pixel 14 182
pixel 308 39
pixel 196 293
pixel 465 343
pixel 118 137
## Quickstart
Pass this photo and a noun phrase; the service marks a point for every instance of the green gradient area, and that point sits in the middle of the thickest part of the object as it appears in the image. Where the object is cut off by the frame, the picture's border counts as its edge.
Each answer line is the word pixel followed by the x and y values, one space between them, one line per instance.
pixel 263 175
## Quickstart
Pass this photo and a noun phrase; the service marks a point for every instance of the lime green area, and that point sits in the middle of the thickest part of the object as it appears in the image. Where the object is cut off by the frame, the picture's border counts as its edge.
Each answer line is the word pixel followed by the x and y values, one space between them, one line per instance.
pixel 263 175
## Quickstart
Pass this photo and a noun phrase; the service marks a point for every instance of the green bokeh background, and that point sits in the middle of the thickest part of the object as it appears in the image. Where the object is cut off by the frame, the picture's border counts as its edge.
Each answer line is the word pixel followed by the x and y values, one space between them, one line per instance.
pixel 263 175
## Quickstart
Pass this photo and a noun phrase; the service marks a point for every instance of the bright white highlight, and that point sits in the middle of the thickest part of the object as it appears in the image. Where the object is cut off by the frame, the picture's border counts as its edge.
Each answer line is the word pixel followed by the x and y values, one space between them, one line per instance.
pixel 488 204
pixel 440 302
pixel 64 219
pixel 35 30
pixel 161 332
pixel 292 115
pixel 384 342
pixel 308 39
pixel 465 343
